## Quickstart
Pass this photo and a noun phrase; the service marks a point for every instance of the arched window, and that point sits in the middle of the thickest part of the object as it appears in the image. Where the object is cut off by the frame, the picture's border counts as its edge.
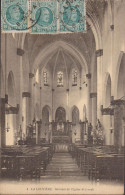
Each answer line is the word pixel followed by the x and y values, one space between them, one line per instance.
pixel 74 77
pixel 60 79
pixel 45 78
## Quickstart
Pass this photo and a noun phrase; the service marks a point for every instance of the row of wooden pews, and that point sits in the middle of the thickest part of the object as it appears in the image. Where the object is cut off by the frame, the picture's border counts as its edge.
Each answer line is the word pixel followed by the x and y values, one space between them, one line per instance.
pixel 23 162
pixel 99 162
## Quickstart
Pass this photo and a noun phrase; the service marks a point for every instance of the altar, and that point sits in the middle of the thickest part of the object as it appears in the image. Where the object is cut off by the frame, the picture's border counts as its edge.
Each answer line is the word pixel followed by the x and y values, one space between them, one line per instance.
pixel 61 131
pixel 61 147
pixel 61 143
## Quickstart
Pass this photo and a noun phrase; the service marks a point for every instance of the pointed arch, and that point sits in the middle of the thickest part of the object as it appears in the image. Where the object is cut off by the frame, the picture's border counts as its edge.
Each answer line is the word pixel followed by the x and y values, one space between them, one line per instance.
pixel 75 114
pixel 121 78
pixel 117 73
pixel 67 47
pixel 46 113
pixel 60 115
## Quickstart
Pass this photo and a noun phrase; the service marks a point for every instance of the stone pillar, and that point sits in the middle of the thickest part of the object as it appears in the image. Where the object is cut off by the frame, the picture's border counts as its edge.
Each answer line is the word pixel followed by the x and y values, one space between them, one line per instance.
pixel 93 97
pixel 20 53
pixel 123 132
pixel 82 131
pixel 89 113
pixel 67 106
pixel 11 131
pixel 31 111
pixel 50 132
pixel 25 113
pixel 2 121
pixel 37 133
pixel 99 54
pixel 53 104
pixel 119 107
pixel 108 125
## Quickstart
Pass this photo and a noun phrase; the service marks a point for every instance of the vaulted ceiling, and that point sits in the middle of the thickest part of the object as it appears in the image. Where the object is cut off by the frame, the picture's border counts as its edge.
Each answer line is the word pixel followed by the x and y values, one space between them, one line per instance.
pixel 84 43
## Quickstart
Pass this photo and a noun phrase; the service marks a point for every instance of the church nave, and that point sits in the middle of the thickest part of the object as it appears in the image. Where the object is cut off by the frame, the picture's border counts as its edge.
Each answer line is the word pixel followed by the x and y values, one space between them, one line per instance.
pixel 62 102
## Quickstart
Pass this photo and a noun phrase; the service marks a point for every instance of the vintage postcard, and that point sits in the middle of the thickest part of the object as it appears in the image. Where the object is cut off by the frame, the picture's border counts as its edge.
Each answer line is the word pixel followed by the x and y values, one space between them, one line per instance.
pixel 62 97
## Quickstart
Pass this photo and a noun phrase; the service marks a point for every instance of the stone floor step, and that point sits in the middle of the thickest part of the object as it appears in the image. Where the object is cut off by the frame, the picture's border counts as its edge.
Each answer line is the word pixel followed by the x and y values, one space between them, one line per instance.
pixel 62 165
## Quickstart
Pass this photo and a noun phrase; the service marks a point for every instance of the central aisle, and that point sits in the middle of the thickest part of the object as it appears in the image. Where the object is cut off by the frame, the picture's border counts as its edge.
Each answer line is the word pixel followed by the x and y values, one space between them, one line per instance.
pixel 62 166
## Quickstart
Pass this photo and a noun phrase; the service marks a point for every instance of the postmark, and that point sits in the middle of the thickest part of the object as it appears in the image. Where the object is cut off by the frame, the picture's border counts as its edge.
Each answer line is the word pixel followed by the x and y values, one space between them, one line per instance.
pixel 72 15
pixel 14 15
pixel 45 15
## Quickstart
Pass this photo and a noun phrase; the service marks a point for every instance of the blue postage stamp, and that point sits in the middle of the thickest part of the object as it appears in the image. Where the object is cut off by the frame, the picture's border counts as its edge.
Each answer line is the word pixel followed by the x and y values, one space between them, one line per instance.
pixel 72 15
pixel 44 13
pixel 14 15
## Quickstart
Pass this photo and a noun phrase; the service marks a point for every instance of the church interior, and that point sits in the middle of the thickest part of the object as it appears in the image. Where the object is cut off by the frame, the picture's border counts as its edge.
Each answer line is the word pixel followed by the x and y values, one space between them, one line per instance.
pixel 62 104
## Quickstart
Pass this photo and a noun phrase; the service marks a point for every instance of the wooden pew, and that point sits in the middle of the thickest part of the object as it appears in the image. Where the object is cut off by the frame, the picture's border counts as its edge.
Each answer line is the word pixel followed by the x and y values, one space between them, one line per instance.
pixel 25 162
pixel 99 162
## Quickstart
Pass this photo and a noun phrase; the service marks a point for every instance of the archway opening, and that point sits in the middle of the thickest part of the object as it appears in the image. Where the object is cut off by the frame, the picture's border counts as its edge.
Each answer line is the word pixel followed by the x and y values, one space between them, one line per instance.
pixel 45 133
pixel 121 79
pixel 119 111
pixel 60 116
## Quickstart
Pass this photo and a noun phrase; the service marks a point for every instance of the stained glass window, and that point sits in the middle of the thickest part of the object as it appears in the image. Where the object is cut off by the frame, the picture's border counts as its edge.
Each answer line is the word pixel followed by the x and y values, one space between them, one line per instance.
pixel 45 78
pixel 60 79
pixel 74 77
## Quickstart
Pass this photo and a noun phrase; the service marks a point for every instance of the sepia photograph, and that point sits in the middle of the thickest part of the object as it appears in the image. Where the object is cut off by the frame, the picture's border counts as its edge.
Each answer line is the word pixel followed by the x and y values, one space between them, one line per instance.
pixel 62 97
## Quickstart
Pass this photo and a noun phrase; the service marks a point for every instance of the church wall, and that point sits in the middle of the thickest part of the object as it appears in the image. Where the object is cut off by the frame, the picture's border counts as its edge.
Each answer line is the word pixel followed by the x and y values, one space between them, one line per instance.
pixel 46 97
pixel 113 44
pixel 13 64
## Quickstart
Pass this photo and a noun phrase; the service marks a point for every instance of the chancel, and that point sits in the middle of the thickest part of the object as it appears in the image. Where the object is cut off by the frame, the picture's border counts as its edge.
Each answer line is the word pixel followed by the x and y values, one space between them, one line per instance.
pixel 62 105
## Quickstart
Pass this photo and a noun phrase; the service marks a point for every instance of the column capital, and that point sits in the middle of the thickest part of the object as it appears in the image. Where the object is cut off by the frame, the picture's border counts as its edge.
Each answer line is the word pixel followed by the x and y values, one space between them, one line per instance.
pixel 93 95
pixel 20 52
pixel 99 52
pixel 88 76
pixel 12 110
pixel 118 102
pixel 107 111
pixel 39 122
pixel 25 94
pixel 31 75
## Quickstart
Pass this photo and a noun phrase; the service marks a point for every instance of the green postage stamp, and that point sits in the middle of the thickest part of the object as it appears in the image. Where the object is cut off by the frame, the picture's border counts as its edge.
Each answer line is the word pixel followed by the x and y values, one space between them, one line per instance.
pixel 72 15
pixel 14 15
pixel 43 16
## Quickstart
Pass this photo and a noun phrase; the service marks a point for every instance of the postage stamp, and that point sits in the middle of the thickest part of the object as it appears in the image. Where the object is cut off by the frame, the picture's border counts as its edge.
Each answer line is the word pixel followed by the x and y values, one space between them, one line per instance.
pixel 45 15
pixel 72 15
pixel 14 15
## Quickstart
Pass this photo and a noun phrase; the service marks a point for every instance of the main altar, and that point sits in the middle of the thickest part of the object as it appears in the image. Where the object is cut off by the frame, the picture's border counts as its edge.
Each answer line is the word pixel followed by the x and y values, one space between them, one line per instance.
pixel 61 136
